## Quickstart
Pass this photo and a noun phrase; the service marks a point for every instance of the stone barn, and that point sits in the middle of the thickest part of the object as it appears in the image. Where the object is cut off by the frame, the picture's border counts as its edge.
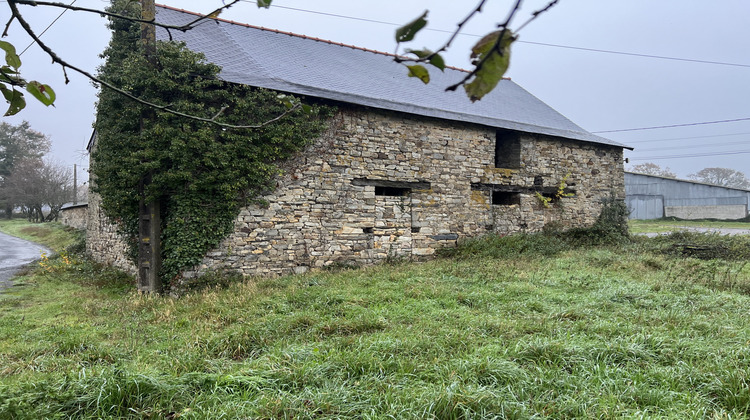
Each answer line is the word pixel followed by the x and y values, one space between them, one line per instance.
pixel 404 168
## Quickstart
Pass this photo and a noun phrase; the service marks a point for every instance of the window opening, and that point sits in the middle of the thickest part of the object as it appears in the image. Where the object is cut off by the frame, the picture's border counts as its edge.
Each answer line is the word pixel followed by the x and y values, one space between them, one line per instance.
pixel 507 149
pixel 504 198
pixel 392 191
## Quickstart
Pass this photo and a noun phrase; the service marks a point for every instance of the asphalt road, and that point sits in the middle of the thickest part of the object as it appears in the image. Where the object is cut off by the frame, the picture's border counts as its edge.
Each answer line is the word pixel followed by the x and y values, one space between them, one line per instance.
pixel 14 254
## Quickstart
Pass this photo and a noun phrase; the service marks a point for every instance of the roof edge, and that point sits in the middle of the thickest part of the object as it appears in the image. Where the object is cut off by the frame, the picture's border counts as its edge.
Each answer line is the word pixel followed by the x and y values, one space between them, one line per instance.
pixel 412 109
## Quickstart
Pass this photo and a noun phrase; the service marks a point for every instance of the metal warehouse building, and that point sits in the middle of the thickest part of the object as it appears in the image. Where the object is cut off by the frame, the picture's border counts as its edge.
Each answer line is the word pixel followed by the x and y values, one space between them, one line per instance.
pixel 654 197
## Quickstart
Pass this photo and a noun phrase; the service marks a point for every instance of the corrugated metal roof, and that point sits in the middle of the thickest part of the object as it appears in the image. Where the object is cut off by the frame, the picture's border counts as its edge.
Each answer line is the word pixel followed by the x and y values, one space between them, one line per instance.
pixel 632 178
pixel 308 66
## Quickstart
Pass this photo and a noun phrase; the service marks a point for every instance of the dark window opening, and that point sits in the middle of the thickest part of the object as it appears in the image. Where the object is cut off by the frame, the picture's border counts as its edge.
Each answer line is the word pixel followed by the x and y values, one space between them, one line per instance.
pixel 503 198
pixel 392 191
pixel 415 230
pixel 507 149
pixel 368 230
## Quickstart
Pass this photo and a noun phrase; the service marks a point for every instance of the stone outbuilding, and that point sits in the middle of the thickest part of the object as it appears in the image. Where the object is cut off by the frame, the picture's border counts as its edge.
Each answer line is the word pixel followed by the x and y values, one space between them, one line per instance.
pixel 404 168
pixel 74 215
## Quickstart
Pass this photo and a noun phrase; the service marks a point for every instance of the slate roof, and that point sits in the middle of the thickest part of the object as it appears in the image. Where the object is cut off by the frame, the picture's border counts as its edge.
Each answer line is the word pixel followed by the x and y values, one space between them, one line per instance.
pixel 302 65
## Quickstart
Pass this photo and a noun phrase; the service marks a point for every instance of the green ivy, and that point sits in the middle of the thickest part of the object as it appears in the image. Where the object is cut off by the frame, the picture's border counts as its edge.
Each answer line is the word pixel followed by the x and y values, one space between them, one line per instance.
pixel 201 173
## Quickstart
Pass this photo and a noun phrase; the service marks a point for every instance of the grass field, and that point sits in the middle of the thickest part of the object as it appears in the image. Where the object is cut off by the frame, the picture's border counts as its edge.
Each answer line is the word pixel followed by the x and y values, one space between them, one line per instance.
pixel 515 327
pixel 665 225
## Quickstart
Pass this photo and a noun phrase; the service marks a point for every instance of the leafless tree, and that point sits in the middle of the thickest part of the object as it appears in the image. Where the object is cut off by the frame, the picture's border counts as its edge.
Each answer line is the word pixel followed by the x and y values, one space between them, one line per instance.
pixel 649 168
pixel 36 185
pixel 17 142
pixel 724 177
pixel 82 193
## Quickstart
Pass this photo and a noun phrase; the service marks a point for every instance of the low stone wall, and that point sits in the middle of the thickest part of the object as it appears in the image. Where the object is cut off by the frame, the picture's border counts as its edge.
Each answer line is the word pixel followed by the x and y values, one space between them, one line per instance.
pixel 728 212
pixel 75 216
pixel 103 243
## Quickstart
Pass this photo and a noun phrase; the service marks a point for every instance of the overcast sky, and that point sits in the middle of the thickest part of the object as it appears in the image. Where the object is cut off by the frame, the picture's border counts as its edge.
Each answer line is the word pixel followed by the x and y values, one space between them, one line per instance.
pixel 600 91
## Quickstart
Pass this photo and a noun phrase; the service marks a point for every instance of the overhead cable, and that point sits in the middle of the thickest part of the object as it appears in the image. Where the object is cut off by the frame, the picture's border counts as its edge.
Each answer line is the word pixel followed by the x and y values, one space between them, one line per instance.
pixel 672 126
pixel 520 41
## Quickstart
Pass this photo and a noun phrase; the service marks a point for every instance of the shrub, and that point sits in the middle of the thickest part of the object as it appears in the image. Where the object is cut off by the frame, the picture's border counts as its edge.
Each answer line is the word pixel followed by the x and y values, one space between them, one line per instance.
pixel 704 246
pixel 613 220
pixel 611 228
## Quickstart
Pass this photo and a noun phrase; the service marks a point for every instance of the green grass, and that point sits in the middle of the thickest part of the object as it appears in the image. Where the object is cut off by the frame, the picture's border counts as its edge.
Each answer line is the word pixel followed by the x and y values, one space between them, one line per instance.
pixel 667 225
pixel 531 331
pixel 53 235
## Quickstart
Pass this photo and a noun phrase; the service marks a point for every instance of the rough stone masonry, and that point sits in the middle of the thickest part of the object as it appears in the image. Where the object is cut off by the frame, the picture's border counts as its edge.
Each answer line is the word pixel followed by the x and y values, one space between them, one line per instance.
pixel 381 184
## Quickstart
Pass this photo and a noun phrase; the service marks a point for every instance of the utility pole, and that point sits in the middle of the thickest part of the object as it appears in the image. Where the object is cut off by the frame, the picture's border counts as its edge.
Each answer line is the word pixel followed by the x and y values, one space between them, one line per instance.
pixel 75 184
pixel 149 220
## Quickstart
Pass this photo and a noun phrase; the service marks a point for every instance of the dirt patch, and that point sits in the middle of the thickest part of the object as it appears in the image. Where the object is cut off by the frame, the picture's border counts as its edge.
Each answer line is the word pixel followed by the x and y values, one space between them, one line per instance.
pixel 35 231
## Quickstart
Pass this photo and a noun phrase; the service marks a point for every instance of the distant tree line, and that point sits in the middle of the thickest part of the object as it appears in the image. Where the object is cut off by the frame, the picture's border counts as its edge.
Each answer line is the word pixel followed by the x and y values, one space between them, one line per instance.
pixel 29 183
pixel 724 177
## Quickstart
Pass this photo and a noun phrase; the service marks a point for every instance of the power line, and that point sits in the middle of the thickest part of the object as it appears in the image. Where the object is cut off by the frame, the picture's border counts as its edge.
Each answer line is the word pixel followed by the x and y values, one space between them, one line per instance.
pixel 47 28
pixel 688 138
pixel 672 126
pixel 695 155
pixel 694 146
pixel 315 12
pixel 661 57
pixel 570 47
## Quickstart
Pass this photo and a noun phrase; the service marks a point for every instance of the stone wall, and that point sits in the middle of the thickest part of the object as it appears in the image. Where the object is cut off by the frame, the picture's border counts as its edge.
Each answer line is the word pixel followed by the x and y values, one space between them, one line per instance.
pixel 727 212
pixel 75 216
pixel 103 243
pixel 381 185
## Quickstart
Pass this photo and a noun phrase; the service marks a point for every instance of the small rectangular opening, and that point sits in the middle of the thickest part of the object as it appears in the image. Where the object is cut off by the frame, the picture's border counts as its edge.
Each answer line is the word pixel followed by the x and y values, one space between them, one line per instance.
pixel 415 229
pixel 392 191
pixel 507 149
pixel 503 198
pixel 368 230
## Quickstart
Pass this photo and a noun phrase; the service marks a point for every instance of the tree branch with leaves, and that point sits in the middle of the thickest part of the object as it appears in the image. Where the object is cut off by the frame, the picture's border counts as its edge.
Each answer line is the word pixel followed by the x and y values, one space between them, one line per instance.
pixel 490 56
pixel 46 95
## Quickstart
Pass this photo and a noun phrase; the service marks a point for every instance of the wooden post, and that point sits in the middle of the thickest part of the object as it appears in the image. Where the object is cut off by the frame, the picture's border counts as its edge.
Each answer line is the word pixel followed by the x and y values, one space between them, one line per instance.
pixel 75 184
pixel 149 220
pixel 149 244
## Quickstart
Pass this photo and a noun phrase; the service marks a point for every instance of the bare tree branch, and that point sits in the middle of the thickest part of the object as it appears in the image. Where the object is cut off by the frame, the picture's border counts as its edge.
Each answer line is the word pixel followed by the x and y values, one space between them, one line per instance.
pixel 460 25
pixel 497 46
pixel 7 26
pixel 536 14
pixel 164 108
pixel 183 28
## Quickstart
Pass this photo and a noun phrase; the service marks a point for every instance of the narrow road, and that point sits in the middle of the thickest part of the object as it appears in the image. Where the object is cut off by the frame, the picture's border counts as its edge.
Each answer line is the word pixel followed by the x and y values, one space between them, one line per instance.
pixel 14 254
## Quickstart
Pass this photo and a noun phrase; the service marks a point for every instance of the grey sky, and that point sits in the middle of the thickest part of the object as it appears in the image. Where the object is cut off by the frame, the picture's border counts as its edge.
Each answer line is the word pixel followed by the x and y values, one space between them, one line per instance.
pixel 598 91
